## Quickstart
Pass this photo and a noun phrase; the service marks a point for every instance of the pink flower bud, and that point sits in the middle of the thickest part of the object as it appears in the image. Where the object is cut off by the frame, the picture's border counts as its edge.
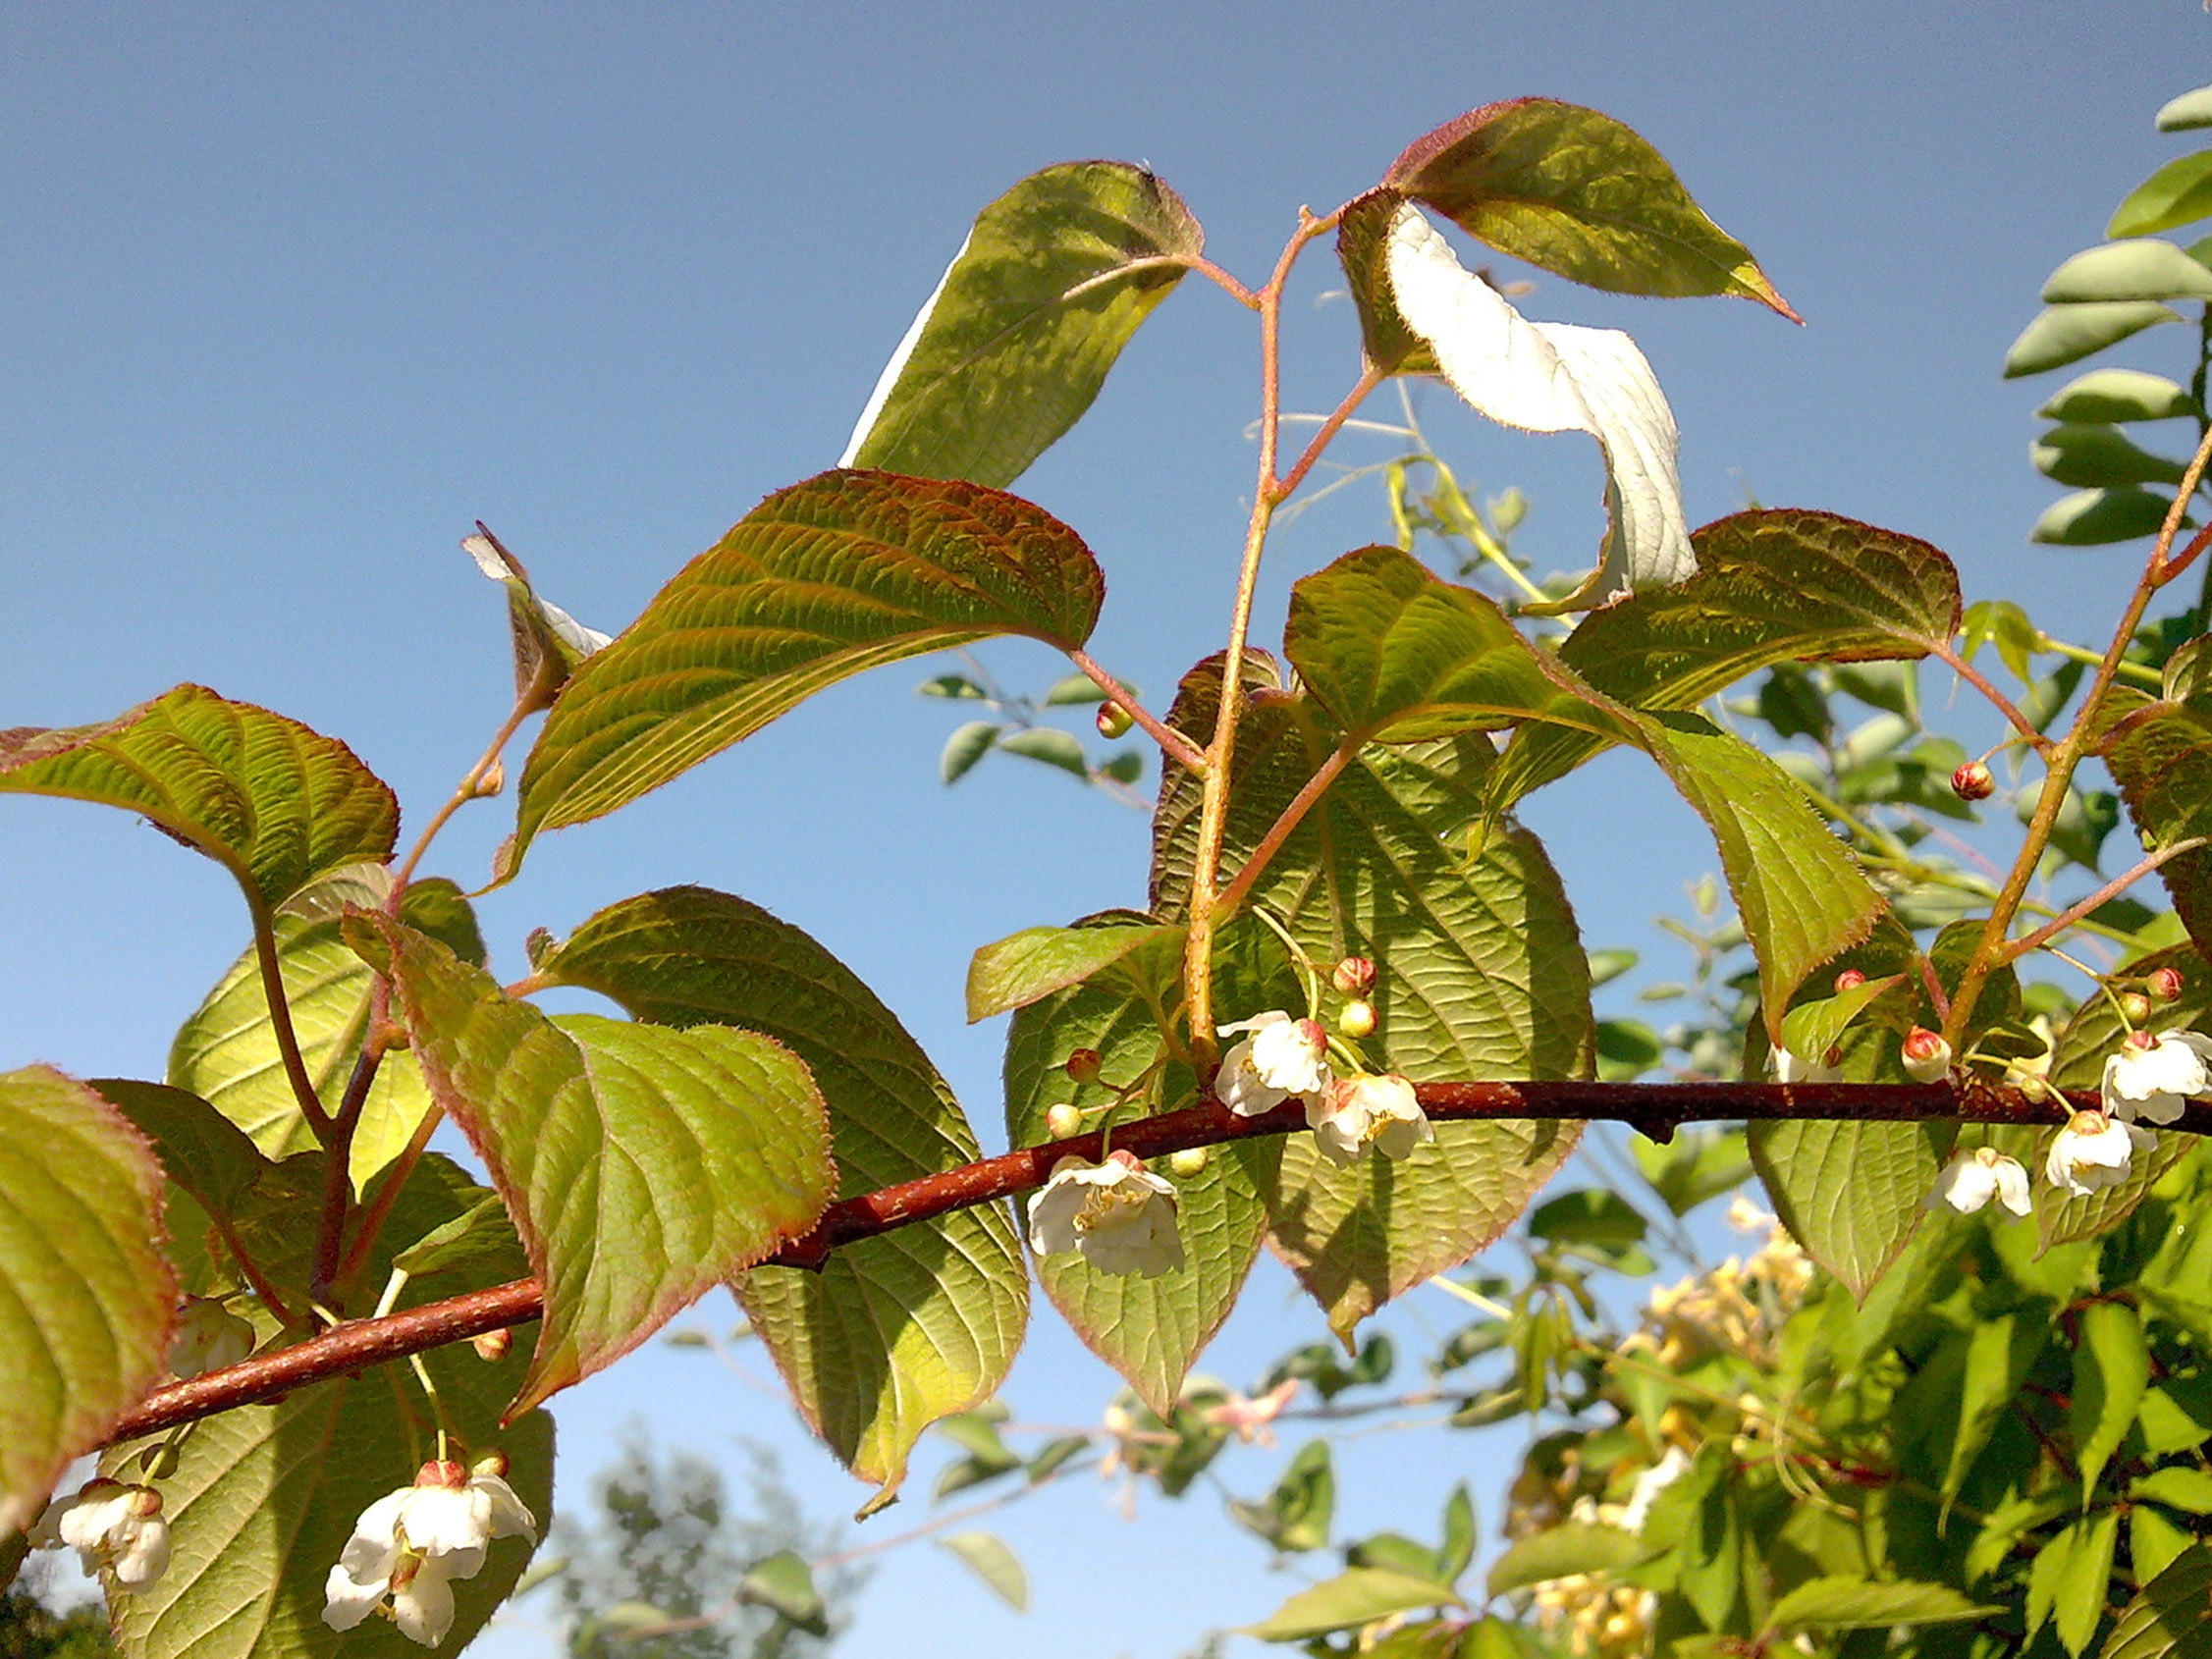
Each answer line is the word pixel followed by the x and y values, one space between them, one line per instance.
pixel 1083 1065
pixel 1850 978
pixel 1062 1121
pixel 1113 720
pixel 491 1463
pixel 1357 1020
pixel 1354 976
pixel 1973 783
pixel 445 1474
pixel 1927 1057
pixel 2164 984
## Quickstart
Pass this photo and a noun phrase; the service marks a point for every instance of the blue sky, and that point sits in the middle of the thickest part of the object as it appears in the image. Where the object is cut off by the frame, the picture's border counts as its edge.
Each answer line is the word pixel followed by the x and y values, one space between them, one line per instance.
pixel 290 295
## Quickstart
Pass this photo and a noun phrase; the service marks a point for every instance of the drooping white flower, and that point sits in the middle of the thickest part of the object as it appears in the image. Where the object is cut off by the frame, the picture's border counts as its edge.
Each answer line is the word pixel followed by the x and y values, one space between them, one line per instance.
pixel 1119 1215
pixel 2093 1152
pixel 1359 1112
pixel 1788 1068
pixel 1926 1056
pixel 1283 1058
pixel 208 1336
pixel 409 1544
pixel 110 1524
pixel 1972 1179
pixel 1650 1484
pixel 2155 1078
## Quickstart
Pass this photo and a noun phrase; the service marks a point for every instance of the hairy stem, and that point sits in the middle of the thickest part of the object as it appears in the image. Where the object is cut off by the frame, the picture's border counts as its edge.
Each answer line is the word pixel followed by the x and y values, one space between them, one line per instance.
pixel 2111 890
pixel 1974 676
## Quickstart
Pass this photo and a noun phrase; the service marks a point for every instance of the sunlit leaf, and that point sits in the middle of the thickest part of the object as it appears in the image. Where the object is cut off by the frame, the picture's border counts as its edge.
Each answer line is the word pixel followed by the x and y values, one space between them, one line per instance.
pixel 1038 961
pixel 2145 268
pixel 2121 395
pixel 549 643
pixel 968 744
pixel 2171 1617
pixel 1349 1600
pixel 2065 334
pixel 2111 1369
pixel 2161 757
pixel 1563 1551
pixel 988 1556
pixel 2177 193
pixel 1850 1193
pixel 2094 517
pixel 2101 456
pixel 1856 1604
pixel 1049 746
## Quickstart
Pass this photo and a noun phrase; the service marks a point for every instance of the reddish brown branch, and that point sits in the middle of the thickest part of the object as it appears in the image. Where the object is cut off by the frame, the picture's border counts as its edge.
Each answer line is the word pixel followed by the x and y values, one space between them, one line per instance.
pixel 1654 1109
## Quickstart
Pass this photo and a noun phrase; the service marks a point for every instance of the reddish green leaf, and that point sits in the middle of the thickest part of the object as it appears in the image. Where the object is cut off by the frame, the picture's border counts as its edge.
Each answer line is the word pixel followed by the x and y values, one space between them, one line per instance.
pixel 1037 961
pixel 2161 756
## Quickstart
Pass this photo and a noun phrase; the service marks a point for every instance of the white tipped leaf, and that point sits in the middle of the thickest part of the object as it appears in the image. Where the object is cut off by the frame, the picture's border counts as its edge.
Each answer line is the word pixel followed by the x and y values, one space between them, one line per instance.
pixel 1555 377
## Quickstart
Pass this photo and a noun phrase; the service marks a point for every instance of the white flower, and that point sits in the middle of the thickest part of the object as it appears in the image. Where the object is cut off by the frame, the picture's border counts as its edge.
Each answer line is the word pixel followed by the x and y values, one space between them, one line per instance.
pixel 1926 1057
pixel 110 1524
pixel 2155 1078
pixel 1281 1057
pixel 1972 1179
pixel 1117 1213
pixel 208 1336
pixel 1650 1484
pixel 1358 1112
pixel 2093 1152
pixel 409 1544
pixel 1788 1068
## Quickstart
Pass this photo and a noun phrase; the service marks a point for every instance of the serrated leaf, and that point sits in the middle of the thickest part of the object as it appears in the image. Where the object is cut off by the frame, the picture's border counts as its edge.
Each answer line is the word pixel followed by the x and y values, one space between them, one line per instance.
pixel 470 1240
pixel 2099 455
pixel 1771 586
pixel 1148 1328
pixel 2065 334
pixel 2145 268
pixel 200 1149
pixel 1553 377
pixel 2120 394
pixel 2110 1370
pixel 1859 1604
pixel 845 571
pixel 1482 975
pixel 1580 193
pixel 1362 243
pixel 2094 517
pixel 641 1164
pixel 2177 193
pixel 968 744
pixel 226 1050
pixel 2064 1221
pixel 1049 746
pixel 893 1332
pixel 1349 1600
pixel 1850 1193
pixel 1037 961
pixel 1025 324
pixel 2171 1617
pixel 271 801
pixel 2161 757
pixel 2182 1487
pixel 1562 1551
pixel 86 1299
pixel 987 1556
pixel 264 1498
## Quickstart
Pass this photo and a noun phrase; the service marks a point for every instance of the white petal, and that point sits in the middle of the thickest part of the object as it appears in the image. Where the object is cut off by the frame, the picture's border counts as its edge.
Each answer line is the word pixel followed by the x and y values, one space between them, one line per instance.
pixel 142 1552
pixel 2012 1186
pixel 511 1517
pixel 346 1601
pixel 1554 377
pixel 438 1519
pixel 424 1610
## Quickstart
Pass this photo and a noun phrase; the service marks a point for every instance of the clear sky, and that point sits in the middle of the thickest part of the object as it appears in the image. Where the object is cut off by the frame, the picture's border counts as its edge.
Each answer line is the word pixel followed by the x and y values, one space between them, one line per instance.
pixel 291 294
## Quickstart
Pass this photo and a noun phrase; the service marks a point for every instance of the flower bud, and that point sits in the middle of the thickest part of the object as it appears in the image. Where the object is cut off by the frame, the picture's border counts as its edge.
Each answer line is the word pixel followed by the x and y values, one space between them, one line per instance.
pixel 1083 1065
pixel 493 780
pixel 493 1345
pixel 1190 1161
pixel 144 1502
pixel 444 1472
pixel 2134 1008
pixel 1354 976
pixel 1357 1020
pixel 1113 720
pixel 1927 1057
pixel 2164 984
pixel 491 1463
pixel 1850 978
pixel 1062 1121
pixel 1973 783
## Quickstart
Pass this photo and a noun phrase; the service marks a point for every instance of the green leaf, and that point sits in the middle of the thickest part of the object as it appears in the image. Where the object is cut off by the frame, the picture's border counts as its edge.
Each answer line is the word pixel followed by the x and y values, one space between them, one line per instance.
pixel 1563 1551
pixel 271 801
pixel 1295 1516
pixel 1363 240
pixel 968 744
pixel 845 571
pixel 1482 976
pixel 2177 193
pixel 1077 690
pixel 87 1297
pixel 2177 1485
pixel 1587 1217
pixel 2142 269
pixel 2065 334
pixel 2171 1617
pixel 200 1149
pixel 1025 323
pixel 895 1331
pixel 2110 1370
pixel 1038 961
pixel 987 1556
pixel 2095 518
pixel 2161 757
pixel 2121 395
pixel 2071 1576
pixel 1702 1163
pixel 1351 1599
pixel 1051 746
pixel 641 1164
pixel 468 1242
pixel 2001 1350
pixel 226 1051
pixel 2100 456
pixel 784 1583
pixel 547 642
pixel 1771 586
pixel 2191 109
pixel 1856 1604
pixel 1850 1193
pixel 1580 193
pixel 1150 1330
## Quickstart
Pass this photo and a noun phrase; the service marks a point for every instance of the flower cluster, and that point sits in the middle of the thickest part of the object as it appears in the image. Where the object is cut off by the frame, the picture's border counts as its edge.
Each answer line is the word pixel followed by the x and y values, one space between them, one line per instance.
pixel 410 1545
pixel 111 1526
pixel 1117 1214
pixel 1359 1112
pixel 1284 1059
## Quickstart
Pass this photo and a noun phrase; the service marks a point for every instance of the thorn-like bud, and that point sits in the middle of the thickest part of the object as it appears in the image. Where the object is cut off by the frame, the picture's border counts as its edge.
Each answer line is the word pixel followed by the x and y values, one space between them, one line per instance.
pixel 1083 1065
pixel 1113 720
pixel 2134 1008
pixel 493 780
pixel 1973 782
pixel 1850 978
pixel 1190 1161
pixel 1354 976
pixel 493 1345
pixel 1927 1057
pixel 1062 1121
pixel 1357 1020
pixel 2164 984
